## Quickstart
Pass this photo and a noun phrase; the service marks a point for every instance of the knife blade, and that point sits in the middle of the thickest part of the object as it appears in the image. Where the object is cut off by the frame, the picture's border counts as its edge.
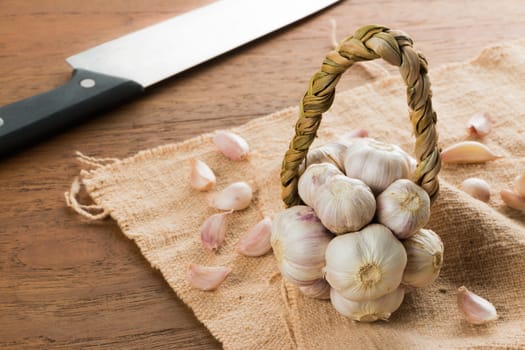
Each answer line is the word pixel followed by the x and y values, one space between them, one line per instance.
pixel 112 73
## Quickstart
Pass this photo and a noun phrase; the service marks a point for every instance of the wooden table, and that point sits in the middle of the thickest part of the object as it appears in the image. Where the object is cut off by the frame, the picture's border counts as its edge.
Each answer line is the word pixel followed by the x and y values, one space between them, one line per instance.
pixel 68 283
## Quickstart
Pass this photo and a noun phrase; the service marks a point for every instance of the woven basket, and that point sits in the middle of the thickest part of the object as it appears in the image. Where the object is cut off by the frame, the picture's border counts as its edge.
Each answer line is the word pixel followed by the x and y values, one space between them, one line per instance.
pixel 368 43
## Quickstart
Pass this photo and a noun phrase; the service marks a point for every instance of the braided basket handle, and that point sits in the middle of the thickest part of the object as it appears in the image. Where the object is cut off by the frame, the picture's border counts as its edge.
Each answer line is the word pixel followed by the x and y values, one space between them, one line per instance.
pixel 368 43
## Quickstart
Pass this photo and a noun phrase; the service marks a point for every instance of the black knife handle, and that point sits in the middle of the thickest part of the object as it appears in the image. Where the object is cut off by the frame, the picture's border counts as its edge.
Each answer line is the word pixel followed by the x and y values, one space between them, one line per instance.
pixel 25 122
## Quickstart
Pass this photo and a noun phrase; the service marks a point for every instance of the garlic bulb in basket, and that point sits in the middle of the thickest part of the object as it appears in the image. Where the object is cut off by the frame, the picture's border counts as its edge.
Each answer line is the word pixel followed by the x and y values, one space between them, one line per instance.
pixel 365 265
pixel 299 242
pixel 344 204
pixel 315 176
pixel 331 153
pixel 376 163
pixel 424 258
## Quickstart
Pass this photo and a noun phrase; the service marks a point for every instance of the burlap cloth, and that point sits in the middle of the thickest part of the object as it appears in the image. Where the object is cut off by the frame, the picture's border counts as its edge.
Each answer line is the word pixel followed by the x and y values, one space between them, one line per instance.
pixel 150 198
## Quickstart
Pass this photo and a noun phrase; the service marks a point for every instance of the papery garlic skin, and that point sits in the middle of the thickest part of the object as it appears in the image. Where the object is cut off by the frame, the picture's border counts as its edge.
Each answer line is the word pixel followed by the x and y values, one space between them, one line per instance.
pixel 231 145
pixel 213 230
pixel 331 153
pixel 474 308
pixel 513 200
pixel 344 204
pixel 299 242
pixel 468 152
pixel 320 289
pixel 206 277
pixel 370 310
pixel 202 177
pixel 257 241
pixel 477 188
pixel 365 265
pixel 403 207
pixel 424 258
pixel 236 196
pixel 479 124
pixel 376 163
pixel 315 176
pixel 519 185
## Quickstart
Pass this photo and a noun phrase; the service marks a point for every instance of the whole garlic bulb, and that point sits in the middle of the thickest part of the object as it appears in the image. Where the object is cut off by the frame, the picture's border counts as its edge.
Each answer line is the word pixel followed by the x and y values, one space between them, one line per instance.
pixel 299 242
pixel 344 204
pixel 370 310
pixel 319 289
pixel 313 177
pixel 365 265
pixel 424 258
pixel 376 163
pixel 403 207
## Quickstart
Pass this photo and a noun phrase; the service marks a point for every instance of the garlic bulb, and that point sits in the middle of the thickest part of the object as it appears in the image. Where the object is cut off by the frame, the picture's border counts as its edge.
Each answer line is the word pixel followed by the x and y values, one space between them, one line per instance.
pixel 479 124
pixel 468 152
pixel 231 145
pixel 370 310
pixel 236 196
pixel 257 241
pixel 344 204
pixel 299 242
pixel 207 277
pixel 474 308
pixel 202 177
pixel 403 207
pixel 331 153
pixel 313 177
pixel 424 258
pixel 376 163
pixel 365 265
pixel 477 188
pixel 320 289
pixel 519 185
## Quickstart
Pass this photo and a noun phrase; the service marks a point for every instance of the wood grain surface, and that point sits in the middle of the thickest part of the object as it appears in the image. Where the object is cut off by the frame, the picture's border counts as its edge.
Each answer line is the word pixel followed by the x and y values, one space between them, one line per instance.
pixel 69 283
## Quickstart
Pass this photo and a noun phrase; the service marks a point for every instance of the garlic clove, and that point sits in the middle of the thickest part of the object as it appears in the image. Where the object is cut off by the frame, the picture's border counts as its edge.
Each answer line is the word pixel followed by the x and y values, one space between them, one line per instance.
pixel 356 133
pixel 513 200
pixel 519 185
pixel 202 177
pixel 368 311
pixel 477 188
pixel 480 124
pixel 257 241
pixel 213 230
pixel 299 242
pixel 207 277
pixel 236 196
pixel 231 145
pixel 365 265
pixel 320 289
pixel 468 152
pixel 344 204
pixel 315 176
pixel 377 164
pixel 403 207
pixel 474 308
pixel 424 259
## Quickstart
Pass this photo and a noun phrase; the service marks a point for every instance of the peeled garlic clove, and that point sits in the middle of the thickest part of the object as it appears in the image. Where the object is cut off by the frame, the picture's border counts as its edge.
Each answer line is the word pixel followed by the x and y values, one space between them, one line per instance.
pixel 231 145
pixel 403 207
pixel 424 258
pixel 479 124
pixel 331 153
pixel 365 265
pixel 477 188
pixel 257 241
pixel 202 177
pixel 236 196
pixel 299 242
pixel 213 230
pixel 519 185
pixel 207 277
pixel 314 177
pixel 344 204
pixel 320 289
pixel 376 163
pixel 468 152
pixel 513 200
pixel 474 308
pixel 370 310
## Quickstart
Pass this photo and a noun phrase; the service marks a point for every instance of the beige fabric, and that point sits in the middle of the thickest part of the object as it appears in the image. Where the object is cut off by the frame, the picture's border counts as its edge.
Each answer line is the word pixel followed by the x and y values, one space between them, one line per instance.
pixel 148 195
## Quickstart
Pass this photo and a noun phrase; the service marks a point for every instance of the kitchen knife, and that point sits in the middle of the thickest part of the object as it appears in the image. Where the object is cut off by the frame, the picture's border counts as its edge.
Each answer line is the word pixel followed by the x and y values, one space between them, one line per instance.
pixel 116 71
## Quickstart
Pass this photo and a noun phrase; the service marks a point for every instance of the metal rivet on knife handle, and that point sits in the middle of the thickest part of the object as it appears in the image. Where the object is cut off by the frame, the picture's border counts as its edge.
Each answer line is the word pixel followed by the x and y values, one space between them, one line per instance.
pixel 87 83
pixel 1 122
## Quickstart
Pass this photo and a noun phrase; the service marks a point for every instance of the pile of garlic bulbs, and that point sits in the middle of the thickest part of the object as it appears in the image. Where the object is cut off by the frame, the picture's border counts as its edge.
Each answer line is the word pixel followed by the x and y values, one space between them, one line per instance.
pixel 359 240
